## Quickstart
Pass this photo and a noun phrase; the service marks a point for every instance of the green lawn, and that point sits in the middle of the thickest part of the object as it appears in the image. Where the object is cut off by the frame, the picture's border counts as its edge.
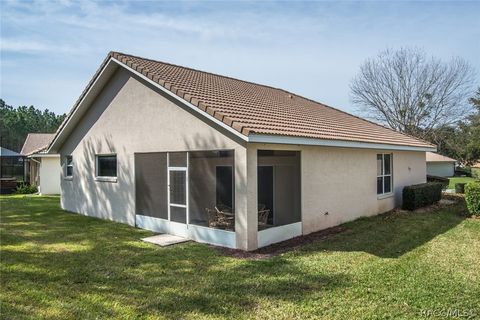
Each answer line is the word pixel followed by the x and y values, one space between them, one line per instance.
pixel 58 265
pixel 453 180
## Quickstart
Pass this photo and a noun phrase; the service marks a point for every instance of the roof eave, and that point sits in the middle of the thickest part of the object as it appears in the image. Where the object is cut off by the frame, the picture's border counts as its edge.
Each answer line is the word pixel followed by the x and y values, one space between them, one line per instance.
pixel 278 139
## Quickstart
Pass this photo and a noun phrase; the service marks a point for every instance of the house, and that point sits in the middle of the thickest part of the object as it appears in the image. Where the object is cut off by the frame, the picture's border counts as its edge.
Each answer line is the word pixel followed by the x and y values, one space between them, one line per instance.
pixel 224 161
pixel 11 170
pixel 43 169
pixel 440 166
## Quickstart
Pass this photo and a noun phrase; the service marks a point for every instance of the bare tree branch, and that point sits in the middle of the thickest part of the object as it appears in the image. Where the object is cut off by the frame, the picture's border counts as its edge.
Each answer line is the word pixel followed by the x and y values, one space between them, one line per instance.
pixel 413 93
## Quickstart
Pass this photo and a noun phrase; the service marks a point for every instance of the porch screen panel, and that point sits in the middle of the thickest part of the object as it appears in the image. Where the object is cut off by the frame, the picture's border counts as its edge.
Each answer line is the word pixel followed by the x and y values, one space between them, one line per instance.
pixel 151 184
pixel 211 181
pixel 279 186
pixel 177 159
pixel 287 195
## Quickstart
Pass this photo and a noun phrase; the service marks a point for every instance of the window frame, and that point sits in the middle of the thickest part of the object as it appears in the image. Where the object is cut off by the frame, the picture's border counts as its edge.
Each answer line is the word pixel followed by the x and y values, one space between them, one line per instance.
pixel 106 178
pixel 382 175
pixel 66 175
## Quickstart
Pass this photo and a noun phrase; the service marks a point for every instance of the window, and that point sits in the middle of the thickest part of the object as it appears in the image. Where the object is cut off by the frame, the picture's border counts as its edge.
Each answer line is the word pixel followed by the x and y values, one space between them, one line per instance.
pixel 107 165
pixel 68 166
pixel 384 173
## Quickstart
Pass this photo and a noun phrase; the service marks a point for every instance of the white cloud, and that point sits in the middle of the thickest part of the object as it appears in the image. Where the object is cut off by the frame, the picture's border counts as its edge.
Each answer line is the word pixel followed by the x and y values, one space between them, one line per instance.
pixel 32 46
pixel 313 49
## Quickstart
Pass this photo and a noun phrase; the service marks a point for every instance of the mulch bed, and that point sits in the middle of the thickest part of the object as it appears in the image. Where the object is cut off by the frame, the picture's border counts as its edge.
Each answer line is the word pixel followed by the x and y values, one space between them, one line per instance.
pixel 281 247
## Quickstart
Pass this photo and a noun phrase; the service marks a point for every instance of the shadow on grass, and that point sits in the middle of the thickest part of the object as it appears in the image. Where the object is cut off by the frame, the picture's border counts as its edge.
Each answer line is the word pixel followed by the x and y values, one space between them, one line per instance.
pixel 81 267
pixel 392 234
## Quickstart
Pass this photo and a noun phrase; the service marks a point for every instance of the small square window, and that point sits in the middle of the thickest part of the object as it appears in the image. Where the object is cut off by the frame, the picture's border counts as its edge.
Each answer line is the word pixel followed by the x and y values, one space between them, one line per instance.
pixel 107 165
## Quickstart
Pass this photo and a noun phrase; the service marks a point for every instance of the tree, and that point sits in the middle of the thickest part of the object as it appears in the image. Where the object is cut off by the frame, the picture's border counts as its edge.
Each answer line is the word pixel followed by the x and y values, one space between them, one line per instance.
pixel 462 140
pixel 473 140
pixel 413 93
pixel 17 123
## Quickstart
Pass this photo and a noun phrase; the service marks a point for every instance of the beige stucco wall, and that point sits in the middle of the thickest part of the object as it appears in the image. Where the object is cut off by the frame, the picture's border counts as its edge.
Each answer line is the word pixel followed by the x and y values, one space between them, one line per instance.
pixel 342 182
pixel 50 175
pixel 131 116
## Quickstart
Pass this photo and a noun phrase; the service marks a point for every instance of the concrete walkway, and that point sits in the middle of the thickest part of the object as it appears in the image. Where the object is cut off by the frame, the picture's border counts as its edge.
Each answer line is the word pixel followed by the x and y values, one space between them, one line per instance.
pixel 164 240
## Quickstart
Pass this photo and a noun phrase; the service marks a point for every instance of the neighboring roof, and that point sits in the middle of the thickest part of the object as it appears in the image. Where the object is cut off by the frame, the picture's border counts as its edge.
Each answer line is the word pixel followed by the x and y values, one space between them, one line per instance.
pixel 253 109
pixel 4 152
pixel 435 157
pixel 36 142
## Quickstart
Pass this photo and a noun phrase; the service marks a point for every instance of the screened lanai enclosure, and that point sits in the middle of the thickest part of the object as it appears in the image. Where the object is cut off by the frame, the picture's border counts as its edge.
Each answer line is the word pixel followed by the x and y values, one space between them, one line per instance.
pixel 192 194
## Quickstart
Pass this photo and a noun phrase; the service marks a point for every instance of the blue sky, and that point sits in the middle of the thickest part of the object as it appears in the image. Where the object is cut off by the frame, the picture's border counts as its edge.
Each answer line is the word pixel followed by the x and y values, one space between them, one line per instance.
pixel 51 49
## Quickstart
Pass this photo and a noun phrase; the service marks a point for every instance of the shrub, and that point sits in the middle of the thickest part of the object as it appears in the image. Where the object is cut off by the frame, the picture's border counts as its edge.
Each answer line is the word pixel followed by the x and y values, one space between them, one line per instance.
pixel 476 173
pixel 460 187
pixel 25 188
pixel 442 180
pixel 421 195
pixel 463 172
pixel 472 197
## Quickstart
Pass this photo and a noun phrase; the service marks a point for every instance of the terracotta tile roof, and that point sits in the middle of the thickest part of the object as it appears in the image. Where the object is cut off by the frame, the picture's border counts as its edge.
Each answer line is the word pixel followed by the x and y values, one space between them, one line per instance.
pixel 36 142
pixel 251 108
pixel 435 157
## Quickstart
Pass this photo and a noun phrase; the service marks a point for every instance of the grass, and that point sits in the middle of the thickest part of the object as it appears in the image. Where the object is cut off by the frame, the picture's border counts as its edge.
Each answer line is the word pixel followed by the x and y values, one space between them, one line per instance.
pixel 454 180
pixel 58 265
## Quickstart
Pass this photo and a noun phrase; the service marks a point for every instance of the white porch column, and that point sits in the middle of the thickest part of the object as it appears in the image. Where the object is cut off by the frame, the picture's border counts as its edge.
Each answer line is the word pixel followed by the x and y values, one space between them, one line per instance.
pixel 246 220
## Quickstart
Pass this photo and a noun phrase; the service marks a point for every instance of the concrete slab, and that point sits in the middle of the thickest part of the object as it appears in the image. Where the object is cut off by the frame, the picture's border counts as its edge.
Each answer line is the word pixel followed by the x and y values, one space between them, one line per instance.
pixel 164 240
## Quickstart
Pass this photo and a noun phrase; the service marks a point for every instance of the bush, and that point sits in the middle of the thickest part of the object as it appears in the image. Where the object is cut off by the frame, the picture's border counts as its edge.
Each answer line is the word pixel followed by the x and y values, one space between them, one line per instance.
pixel 25 188
pixel 460 187
pixel 476 173
pixel 463 172
pixel 442 180
pixel 472 197
pixel 421 195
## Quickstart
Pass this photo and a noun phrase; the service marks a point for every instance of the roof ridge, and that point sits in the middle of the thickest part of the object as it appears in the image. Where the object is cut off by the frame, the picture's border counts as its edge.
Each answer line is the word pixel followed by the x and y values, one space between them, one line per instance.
pixel 207 72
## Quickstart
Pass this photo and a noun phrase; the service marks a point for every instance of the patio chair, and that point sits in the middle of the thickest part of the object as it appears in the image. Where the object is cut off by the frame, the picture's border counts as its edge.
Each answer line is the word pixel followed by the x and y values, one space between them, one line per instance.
pixel 224 208
pixel 226 217
pixel 212 217
pixel 263 217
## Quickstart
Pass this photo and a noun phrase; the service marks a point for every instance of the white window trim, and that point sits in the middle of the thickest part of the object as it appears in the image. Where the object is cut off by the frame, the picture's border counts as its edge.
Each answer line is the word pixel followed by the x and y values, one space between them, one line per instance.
pixel 105 178
pixel 66 176
pixel 384 194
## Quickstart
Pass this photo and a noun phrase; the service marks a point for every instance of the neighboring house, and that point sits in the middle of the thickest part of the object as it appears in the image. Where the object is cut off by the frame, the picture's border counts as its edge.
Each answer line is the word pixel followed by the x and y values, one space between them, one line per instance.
pixel 43 168
pixel 440 166
pixel 11 170
pixel 224 161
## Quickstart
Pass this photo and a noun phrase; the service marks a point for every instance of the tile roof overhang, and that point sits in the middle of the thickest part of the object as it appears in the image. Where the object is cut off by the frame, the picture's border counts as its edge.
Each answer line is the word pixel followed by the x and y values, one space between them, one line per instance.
pixel 435 157
pixel 36 143
pixel 252 112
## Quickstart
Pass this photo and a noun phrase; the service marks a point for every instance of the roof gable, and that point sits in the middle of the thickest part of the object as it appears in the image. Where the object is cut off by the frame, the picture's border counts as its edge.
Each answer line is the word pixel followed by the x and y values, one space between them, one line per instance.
pixel 435 157
pixel 255 110
pixel 36 142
